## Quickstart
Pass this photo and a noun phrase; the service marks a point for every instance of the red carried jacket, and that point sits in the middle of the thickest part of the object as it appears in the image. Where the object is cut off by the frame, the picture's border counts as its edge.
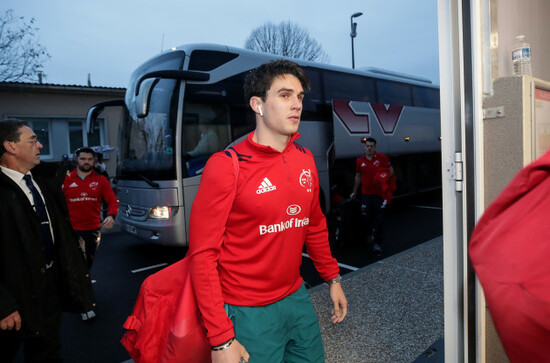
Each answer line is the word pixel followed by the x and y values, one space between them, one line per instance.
pixel 510 252
pixel 386 182
pixel 165 325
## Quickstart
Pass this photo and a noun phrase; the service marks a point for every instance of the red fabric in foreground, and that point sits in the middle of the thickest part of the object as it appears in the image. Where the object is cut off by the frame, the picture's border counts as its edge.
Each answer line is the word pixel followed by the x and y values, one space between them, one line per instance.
pixel 510 252
pixel 165 325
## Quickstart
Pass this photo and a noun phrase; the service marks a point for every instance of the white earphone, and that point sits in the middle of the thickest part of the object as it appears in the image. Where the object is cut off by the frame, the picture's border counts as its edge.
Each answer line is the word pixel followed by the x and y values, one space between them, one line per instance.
pixel 260 109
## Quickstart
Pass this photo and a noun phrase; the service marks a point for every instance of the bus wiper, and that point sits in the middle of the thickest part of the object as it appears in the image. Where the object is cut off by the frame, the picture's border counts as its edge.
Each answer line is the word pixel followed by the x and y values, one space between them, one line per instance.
pixel 147 180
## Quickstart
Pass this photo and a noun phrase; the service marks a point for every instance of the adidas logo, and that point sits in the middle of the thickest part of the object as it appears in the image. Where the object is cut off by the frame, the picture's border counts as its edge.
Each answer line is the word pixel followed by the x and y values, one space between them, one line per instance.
pixel 265 187
pixel 73 185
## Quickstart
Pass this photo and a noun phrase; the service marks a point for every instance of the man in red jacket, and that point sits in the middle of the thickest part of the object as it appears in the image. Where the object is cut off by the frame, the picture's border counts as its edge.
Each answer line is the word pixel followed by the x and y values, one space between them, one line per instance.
pixel 84 191
pixel 246 251
pixel 374 174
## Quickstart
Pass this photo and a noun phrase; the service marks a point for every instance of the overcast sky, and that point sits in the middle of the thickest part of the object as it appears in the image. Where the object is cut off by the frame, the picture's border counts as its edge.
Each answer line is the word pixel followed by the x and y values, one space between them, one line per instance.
pixel 110 38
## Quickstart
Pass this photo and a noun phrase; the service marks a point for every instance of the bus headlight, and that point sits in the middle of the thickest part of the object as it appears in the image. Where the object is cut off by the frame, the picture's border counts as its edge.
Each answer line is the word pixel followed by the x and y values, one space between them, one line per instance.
pixel 162 212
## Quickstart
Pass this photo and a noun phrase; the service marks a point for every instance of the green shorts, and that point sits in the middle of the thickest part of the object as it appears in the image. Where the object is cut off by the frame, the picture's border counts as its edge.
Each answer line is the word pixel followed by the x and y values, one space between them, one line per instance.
pixel 285 331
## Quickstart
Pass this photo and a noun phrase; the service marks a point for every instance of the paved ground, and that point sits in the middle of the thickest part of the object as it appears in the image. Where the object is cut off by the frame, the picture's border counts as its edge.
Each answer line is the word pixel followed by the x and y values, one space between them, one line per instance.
pixel 395 310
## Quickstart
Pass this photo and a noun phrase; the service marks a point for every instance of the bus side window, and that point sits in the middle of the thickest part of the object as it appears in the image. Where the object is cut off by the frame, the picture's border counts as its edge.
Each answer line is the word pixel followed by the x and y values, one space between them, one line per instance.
pixel 314 107
pixel 220 124
pixel 393 93
pixel 338 86
pixel 426 97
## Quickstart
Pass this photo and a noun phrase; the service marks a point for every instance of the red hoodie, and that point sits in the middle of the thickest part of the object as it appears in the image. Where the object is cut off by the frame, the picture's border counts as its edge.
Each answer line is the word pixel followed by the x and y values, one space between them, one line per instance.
pixel 84 198
pixel 369 169
pixel 248 251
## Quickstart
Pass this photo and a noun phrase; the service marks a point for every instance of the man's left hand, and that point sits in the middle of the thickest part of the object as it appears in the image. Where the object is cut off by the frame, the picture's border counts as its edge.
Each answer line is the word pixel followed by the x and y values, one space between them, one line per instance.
pixel 12 321
pixel 340 303
pixel 108 222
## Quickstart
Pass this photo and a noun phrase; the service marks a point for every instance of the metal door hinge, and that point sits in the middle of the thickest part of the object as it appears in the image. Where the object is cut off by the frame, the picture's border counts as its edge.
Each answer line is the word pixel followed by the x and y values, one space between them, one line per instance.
pixel 454 171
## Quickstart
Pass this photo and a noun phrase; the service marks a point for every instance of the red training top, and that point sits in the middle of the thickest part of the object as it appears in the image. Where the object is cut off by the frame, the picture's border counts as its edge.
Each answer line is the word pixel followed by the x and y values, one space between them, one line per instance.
pixel 368 169
pixel 248 251
pixel 84 198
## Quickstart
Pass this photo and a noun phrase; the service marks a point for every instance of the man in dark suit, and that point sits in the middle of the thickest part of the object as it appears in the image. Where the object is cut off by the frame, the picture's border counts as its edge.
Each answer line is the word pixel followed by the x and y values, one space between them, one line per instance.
pixel 42 272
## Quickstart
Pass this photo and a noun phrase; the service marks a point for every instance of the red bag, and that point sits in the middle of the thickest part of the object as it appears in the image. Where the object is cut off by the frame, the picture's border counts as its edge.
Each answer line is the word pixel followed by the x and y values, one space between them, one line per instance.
pixel 510 252
pixel 166 325
pixel 386 182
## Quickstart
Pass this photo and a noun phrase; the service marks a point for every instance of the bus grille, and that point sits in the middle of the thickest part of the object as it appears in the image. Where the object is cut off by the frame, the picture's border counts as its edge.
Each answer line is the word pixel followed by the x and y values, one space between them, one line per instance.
pixel 135 212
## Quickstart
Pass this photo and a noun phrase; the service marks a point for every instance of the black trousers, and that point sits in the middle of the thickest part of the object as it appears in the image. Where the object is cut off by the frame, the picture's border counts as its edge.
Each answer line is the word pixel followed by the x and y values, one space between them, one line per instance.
pixel 88 241
pixel 372 215
pixel 46 347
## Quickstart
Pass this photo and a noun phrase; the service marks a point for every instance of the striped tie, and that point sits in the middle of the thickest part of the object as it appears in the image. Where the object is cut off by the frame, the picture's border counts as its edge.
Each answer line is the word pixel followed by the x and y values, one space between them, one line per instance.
pixel 40 209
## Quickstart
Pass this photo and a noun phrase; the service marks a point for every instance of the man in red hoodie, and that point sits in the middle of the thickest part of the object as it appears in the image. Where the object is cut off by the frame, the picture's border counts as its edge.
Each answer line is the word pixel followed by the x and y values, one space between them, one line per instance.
pixel 374 174
pixel 246 251
pixel 84 191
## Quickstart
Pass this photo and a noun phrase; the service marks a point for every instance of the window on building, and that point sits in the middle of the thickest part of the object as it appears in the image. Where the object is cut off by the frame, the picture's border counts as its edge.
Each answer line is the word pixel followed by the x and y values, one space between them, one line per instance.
pixel 63 135
pixel 42 131
pixel 78 136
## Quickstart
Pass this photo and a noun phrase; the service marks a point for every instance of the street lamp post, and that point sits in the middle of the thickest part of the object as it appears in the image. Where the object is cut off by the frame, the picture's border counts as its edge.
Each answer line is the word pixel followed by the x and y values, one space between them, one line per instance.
pixel 353 34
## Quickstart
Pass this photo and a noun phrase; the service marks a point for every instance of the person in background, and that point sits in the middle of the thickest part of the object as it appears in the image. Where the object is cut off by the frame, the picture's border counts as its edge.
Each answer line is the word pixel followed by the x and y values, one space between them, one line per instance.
pixel 209 142
pixel 100 166
pixel 41 269
pixel 67 163
pixel 84 190
pixel 245 264
pixel 375 175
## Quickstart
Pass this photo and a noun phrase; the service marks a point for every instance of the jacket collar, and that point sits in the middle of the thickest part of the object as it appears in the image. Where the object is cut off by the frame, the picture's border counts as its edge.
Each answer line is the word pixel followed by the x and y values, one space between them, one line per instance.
pixel 269 149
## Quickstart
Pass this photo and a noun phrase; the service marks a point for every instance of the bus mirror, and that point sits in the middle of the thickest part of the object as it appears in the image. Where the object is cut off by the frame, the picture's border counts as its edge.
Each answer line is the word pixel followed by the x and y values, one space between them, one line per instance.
pixel 91 118
pixel 143 97
pixel 147 82
pixel 96 110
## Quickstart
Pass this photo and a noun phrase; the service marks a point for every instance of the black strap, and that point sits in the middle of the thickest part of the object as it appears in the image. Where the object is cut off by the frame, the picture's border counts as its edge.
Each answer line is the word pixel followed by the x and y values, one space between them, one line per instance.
pixel 235 159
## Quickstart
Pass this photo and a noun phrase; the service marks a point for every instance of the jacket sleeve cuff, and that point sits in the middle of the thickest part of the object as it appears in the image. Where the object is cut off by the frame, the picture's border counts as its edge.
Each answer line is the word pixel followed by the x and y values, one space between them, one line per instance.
pixel 221 338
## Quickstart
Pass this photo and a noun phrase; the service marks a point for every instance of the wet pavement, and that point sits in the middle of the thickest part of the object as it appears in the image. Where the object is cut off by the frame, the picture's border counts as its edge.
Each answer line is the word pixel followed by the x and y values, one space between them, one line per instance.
pixel 395 311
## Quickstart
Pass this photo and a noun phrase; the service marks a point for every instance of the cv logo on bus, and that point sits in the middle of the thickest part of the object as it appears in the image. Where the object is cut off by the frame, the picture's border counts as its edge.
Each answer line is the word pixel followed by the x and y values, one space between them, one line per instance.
pixel 387 116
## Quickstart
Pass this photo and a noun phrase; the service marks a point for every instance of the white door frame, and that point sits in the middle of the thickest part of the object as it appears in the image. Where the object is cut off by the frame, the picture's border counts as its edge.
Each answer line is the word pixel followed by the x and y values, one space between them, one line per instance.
pixel 463 64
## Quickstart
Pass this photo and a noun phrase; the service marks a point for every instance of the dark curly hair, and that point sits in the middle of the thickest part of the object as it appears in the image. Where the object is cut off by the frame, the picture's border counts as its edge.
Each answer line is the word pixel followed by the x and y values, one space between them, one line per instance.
pixel 84 149
pixel 259 80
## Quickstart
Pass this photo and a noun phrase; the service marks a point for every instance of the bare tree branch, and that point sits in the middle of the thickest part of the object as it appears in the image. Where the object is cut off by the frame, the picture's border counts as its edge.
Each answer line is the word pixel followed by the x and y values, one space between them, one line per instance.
pixel 286 39
pixel 21 56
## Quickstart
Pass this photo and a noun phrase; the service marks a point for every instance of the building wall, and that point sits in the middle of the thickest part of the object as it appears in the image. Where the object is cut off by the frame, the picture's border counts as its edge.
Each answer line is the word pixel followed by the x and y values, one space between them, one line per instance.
pixel 61 104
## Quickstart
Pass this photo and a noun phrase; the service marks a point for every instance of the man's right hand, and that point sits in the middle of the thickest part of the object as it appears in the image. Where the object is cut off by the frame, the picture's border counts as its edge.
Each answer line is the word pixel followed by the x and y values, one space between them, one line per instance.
pixel 352 195
pixel 11 321
pixel 233 354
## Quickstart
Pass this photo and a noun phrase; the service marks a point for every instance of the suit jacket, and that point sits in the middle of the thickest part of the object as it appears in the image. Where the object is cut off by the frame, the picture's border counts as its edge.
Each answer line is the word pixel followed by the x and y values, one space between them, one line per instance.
pixel 22 261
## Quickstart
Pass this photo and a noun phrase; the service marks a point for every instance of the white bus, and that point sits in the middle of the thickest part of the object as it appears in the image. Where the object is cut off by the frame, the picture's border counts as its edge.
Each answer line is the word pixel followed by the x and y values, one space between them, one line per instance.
pixel 187 103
